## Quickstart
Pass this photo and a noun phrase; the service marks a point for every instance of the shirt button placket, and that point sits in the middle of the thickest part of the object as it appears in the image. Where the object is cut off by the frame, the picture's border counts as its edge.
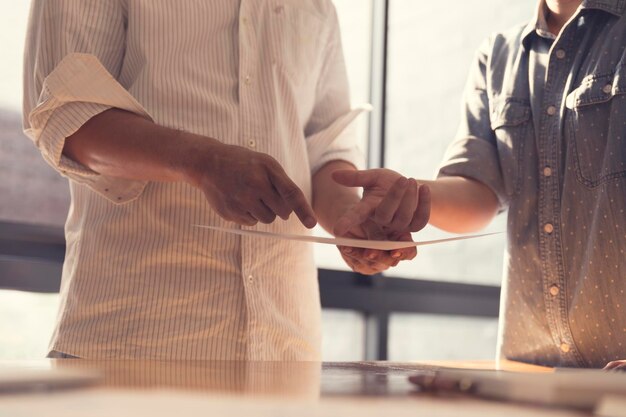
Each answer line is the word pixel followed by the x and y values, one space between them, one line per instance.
pixel 548 187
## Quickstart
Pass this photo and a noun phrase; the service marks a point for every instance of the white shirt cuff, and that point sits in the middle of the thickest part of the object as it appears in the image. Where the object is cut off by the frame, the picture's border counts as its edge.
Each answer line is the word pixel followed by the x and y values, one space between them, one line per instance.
pixel 78 89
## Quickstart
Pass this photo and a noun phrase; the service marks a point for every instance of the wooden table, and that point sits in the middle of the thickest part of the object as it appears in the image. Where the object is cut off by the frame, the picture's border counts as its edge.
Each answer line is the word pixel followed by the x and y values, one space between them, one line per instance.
pixel 276 389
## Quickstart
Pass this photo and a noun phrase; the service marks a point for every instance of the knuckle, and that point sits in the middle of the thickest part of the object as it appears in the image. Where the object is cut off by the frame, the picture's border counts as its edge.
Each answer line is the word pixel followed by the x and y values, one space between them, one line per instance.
pixel 269 218
pixel 382 217
pixel 397 191
pixel 403 219
pixel 250 221
pixel 291 194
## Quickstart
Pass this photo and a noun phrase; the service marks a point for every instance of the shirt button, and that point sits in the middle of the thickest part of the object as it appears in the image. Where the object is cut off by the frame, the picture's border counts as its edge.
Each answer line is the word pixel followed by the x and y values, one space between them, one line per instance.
pixel 547 172
pixel 247 80
pixel 551 110
pixel 251 143
pixel 554 290
pixel 607 89
pixel 244 20
pixel 564 347
pixel 560 54
pixel 548 228
pixel 250 279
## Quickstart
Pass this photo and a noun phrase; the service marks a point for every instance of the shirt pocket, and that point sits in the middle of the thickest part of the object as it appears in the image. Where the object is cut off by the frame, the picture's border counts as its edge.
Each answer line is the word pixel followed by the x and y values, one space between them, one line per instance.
pixel 296 36
pixel 597 128
pixel 510 122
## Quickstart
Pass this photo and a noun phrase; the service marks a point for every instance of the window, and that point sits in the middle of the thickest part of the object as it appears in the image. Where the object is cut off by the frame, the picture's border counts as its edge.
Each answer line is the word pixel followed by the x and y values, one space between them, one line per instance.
pixel 415 337
pixel 31 193
pixel 431 46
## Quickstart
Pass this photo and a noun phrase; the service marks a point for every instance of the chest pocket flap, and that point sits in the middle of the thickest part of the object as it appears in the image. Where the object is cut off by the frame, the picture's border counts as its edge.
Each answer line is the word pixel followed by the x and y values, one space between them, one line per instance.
pixel 596 89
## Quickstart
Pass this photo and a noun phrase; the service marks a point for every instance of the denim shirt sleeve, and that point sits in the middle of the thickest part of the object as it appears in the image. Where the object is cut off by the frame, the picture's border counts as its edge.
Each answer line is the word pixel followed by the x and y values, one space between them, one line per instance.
pixel 473 153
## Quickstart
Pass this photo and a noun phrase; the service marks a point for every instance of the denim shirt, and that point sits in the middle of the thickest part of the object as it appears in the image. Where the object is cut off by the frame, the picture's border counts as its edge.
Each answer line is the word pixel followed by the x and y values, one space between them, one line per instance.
pixel 557 162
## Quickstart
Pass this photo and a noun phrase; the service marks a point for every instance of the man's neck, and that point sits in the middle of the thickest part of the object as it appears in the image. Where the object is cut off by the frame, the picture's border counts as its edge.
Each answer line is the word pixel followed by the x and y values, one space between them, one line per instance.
pixel 559 12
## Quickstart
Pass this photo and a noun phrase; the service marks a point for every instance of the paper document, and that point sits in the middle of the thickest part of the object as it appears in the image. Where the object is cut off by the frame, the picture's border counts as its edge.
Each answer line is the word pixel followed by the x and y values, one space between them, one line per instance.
pixel 341 241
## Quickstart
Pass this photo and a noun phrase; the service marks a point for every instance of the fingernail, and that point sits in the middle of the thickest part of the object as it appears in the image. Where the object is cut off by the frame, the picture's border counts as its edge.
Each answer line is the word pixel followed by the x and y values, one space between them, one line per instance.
pixel 310 222
pixel 347 250
pixel 396 255
pixel 371 256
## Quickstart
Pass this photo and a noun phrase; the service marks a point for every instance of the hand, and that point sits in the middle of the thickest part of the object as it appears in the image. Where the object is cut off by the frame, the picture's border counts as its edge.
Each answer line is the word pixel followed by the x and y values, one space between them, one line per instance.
pixel 619 365
pixel 397 204
pixel 371 261
pixel 247 187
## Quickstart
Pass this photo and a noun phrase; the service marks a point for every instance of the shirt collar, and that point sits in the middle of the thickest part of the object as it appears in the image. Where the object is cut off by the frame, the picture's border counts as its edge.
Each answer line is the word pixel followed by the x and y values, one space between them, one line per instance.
pixel 538 25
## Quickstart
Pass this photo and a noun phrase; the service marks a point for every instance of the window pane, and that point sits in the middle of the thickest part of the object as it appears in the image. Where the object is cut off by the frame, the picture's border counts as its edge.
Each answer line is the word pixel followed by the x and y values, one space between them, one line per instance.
pixel 355 19
pixel 31 191
pixel 428 337
pixel 26 324
pixel 343 335
pixel 431 46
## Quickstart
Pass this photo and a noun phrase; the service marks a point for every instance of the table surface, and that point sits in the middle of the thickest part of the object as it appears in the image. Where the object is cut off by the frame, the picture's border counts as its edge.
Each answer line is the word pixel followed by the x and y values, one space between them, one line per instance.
pixel 268 388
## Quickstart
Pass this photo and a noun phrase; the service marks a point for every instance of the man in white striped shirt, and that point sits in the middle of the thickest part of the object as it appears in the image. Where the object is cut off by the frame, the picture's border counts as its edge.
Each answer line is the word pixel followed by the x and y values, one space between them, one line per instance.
pixel 165 114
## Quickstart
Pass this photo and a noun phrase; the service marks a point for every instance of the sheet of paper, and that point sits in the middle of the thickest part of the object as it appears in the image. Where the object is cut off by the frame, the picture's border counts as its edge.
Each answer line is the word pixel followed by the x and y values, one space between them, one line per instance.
pixel 341 241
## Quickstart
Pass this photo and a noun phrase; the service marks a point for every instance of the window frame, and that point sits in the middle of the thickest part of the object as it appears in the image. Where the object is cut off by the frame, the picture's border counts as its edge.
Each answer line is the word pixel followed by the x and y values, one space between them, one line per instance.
pixel 31 256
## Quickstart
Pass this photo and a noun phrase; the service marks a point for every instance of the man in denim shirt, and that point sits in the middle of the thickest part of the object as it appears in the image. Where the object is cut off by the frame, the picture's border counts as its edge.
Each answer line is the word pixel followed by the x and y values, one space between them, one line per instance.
pixel 544 136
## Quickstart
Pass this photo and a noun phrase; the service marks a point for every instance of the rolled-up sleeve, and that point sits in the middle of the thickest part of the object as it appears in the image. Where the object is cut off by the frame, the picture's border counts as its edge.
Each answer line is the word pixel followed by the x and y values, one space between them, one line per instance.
pixel 74 54
pixel 473 154
pixel 331 129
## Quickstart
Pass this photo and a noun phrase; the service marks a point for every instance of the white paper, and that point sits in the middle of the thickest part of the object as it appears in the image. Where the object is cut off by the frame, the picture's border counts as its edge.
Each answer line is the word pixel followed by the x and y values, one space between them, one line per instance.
pixel 341 241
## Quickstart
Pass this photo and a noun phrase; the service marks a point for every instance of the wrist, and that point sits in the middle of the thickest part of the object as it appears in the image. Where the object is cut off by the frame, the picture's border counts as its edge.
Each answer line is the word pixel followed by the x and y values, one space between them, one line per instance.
pixel 341 207
pixel 197 157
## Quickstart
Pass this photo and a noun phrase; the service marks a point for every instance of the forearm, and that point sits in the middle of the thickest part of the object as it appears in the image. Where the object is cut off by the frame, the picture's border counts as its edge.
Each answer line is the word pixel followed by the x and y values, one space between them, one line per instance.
pixel 332 200
pixel 461 205
pixel 122 144
pixel 241 185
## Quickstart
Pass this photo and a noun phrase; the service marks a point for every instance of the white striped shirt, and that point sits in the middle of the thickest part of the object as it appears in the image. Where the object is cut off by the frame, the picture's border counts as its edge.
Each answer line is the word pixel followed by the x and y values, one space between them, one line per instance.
pixel 139 281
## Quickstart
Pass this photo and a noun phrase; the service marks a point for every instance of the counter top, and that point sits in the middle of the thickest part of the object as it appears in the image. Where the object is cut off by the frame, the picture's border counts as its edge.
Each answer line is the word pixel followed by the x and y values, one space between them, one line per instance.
pixel 210 388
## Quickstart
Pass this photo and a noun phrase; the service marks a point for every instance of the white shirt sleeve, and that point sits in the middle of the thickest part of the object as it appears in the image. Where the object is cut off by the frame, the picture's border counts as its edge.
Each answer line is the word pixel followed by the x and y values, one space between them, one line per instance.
pixel 331 131
pixel 74 52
